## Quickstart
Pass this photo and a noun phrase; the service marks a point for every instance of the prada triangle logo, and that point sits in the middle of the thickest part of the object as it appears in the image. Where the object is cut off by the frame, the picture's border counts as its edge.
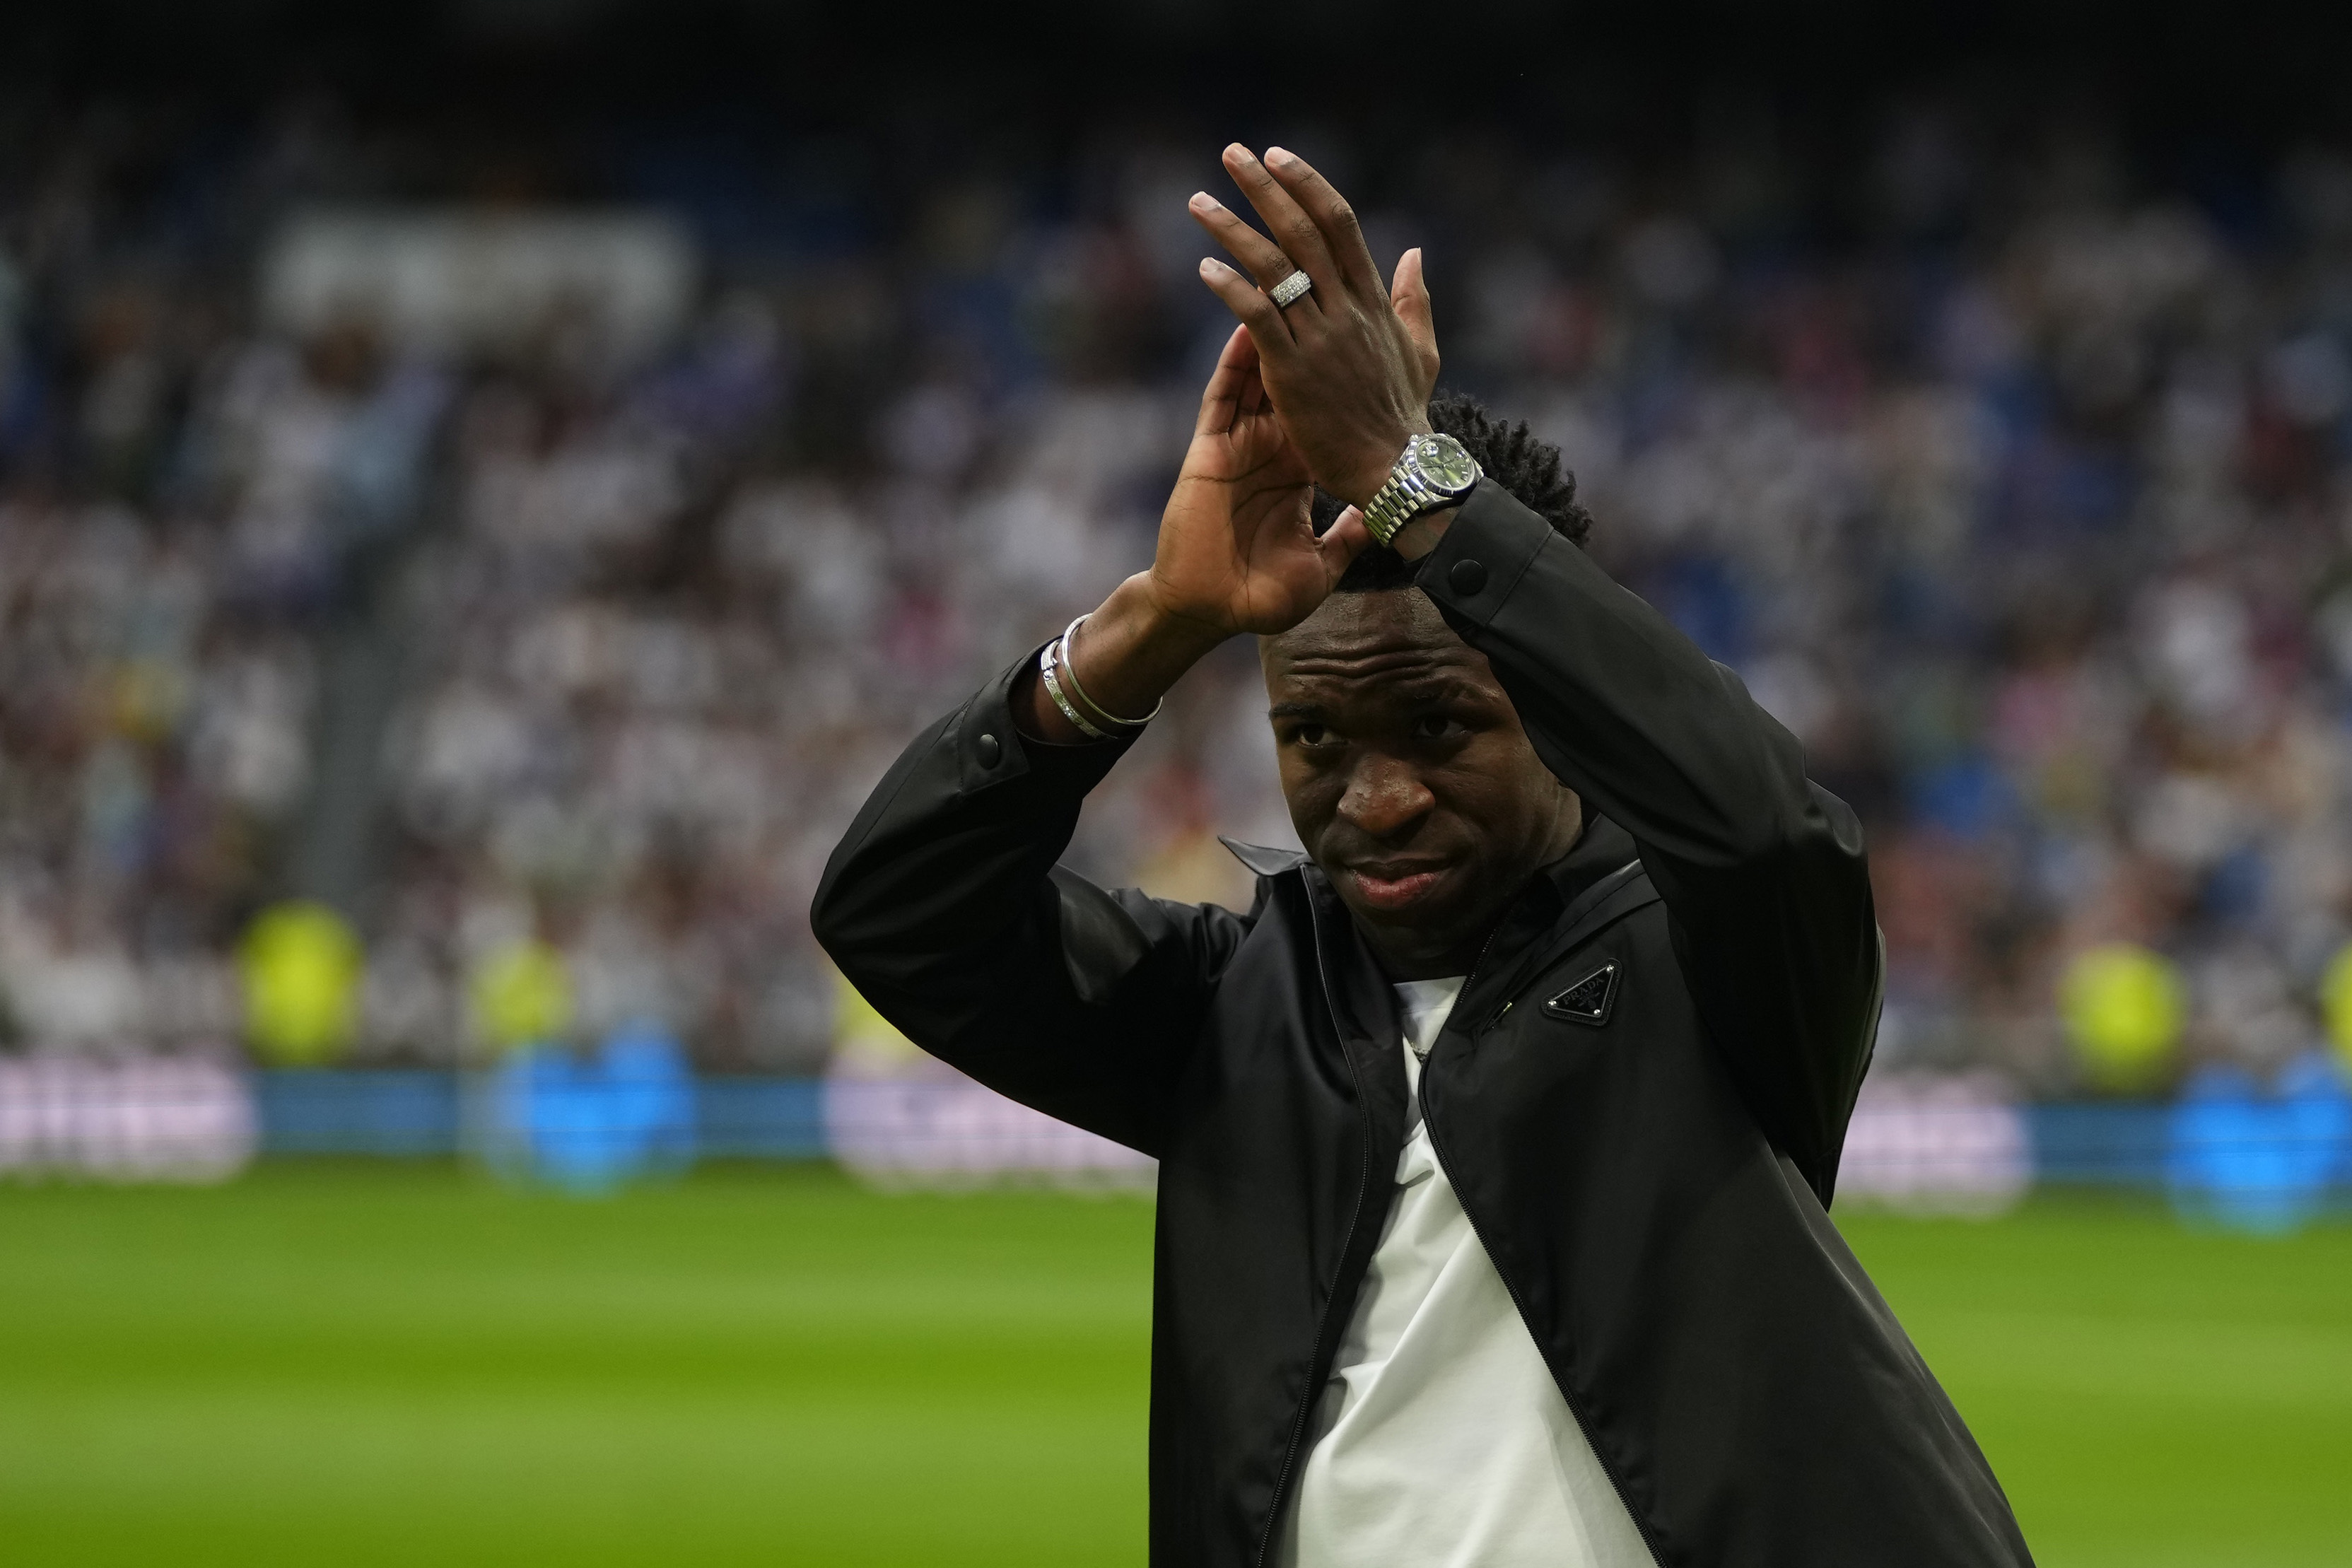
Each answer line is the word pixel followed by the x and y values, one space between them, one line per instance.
pixel 1589 1000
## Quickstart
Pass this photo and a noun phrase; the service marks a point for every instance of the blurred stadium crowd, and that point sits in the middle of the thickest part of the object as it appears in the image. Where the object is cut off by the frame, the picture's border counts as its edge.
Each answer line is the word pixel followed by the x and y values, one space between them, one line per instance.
pixel 2021 491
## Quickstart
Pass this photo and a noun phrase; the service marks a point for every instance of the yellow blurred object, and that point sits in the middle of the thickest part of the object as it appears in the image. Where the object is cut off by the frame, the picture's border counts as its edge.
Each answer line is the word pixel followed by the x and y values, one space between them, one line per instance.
pixel 2335 1004
pixel 300 966
pixel 1195 869
pixel 865 1043
pixel 145 698
pixel 2123 1006
pixel 521 996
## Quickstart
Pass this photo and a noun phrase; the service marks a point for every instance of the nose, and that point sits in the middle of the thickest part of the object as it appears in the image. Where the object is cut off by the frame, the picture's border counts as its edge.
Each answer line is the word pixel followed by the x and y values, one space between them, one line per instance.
pixel 1384 797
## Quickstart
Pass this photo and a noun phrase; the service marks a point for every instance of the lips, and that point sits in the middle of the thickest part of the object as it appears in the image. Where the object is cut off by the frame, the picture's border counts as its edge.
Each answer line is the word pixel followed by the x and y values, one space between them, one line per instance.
pixel 1397 887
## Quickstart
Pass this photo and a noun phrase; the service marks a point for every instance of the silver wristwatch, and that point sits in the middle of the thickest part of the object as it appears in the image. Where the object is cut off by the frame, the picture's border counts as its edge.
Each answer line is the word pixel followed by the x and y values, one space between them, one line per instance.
pixel 1434 473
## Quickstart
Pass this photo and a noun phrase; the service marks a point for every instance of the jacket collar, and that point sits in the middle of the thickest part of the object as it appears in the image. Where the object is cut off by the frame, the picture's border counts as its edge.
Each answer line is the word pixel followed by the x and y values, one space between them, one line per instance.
pixel 1599 851
pixel 1363 1006
pixel 1263 859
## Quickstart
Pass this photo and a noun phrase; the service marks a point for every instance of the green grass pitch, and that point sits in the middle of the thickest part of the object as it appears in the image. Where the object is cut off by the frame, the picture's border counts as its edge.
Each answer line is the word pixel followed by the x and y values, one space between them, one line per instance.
pixel 352 1365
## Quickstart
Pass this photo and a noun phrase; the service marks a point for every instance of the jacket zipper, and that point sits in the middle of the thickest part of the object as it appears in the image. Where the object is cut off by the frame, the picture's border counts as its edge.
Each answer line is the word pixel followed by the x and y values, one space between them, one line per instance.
pixel 1363 1181
pixel 1314 1392
pixel 1437 1146
pixel 1540 956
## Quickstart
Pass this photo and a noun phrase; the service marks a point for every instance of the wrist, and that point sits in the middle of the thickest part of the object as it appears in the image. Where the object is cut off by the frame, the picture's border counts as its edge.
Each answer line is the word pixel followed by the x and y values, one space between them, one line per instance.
pixel 1366 483
pixel 1132 649
pixel 1125 658
pixel 1434 473
pixel 1419 537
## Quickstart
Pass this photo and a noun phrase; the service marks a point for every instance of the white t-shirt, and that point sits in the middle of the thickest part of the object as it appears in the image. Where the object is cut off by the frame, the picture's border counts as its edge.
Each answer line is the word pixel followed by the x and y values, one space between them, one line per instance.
pixel 1441 1440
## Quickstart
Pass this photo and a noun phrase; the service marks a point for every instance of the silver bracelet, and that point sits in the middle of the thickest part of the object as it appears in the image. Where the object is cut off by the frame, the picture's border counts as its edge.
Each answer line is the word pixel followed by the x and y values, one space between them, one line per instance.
pixel 1054 690
pixel 1069 637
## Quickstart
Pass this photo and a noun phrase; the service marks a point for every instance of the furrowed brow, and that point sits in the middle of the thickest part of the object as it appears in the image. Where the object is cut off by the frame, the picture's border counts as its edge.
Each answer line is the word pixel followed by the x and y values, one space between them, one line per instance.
pixel 1295 711
pixel 1438 687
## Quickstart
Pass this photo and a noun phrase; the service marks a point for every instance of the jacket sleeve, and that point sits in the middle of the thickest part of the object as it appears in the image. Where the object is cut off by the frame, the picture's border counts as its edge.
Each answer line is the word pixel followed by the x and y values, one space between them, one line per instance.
pixel 1761 870
pixel 944 907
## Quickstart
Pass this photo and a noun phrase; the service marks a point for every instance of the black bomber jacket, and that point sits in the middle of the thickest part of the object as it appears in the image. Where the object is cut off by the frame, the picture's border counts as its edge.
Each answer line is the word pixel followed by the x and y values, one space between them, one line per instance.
pixel 1640 1096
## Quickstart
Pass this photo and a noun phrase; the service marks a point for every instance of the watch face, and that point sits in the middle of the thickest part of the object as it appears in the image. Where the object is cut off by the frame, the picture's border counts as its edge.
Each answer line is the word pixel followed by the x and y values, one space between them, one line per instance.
pixel 1445 464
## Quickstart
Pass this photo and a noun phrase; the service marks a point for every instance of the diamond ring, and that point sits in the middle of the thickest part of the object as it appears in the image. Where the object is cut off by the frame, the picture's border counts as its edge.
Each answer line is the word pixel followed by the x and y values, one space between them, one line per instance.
pixel 1291 290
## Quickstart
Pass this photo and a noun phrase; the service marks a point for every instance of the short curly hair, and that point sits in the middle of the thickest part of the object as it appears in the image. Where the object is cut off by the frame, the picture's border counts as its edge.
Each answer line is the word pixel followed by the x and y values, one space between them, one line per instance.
pixel 1510 455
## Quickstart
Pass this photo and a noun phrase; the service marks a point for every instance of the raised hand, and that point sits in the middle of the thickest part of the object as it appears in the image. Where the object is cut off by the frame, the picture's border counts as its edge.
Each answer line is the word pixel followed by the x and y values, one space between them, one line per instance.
pixel 1237 552
pixel 1349 365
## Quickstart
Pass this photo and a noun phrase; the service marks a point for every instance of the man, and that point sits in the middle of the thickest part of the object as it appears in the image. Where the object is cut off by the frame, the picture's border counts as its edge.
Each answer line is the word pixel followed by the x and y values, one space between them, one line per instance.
pixel 1495 1139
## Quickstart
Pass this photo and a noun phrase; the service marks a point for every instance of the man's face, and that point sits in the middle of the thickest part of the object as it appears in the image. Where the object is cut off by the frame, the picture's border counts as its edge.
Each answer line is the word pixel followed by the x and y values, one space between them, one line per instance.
pixel 1409 778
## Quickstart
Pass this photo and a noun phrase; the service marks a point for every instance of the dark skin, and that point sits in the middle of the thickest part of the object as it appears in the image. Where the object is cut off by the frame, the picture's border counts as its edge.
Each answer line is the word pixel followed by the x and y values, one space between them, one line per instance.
pixel 1409 777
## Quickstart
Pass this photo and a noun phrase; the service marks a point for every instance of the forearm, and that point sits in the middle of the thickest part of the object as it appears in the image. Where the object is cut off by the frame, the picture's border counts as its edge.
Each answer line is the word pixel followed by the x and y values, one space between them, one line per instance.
pixel 1763 871
pixel 1621 705
pixel 940 863
pixel 944 907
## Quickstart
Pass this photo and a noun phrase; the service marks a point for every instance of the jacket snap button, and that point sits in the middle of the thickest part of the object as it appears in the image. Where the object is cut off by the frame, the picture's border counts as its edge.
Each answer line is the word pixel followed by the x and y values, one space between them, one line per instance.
pixel 989 751
pixel 1467 576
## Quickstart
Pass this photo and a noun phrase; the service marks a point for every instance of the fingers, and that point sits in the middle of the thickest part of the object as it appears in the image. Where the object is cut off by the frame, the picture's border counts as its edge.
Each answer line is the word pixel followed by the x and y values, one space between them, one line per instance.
pixel 1261 256
pixel 1240 350
pixel 1253 397
pixel 1229 384
pixel 1409 295
pixel 1235 390
pixel 1258 313
pixel 1334 219
pixel 1341 545
pixel 1240 359
pixel 1297 234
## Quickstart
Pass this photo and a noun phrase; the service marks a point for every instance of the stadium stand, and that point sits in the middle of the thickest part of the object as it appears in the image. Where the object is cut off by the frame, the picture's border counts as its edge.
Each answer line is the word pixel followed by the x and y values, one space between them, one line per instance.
pixel 2019 493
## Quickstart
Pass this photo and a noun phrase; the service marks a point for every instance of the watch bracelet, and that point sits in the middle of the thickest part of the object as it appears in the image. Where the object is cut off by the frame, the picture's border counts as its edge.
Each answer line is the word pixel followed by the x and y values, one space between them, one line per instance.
pixel 1396 504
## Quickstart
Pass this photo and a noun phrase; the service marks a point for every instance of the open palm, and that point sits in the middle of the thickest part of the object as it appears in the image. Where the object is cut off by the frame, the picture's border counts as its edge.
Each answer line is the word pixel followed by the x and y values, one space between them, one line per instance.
pixel 1237 552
